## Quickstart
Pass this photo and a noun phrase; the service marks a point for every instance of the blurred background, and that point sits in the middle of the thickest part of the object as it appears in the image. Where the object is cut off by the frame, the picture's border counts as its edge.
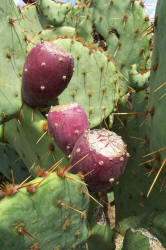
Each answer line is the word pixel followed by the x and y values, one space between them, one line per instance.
pixel 149 5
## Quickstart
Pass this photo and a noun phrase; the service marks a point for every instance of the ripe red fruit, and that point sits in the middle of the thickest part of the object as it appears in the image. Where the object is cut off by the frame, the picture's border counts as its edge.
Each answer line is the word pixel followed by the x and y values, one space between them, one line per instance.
pixel 47 72
pixel 105 161
pixel 66 123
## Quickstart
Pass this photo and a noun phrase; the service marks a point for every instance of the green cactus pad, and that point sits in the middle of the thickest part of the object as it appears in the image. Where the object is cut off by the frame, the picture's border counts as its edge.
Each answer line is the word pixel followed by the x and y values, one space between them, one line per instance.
pixel 41 219
pixel 120 20
pixel 11 163
pixel 81 17
pixel 158 227
pixel 31 22
pixel 101 237
pixel 51 34
pixel 1 132
pixel 139 79
pixel 100 233
pixel 94 81
pixel 23 134
pixel 123 27
pixel 135 240
pixel 54 12
pixel 17 29
pixel 140 239
pixel 157 100
pixel 133 208
pixel 12 56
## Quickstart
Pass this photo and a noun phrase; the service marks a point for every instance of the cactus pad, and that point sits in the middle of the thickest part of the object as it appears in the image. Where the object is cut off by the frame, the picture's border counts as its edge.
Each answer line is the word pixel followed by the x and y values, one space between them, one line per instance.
pixel 40 219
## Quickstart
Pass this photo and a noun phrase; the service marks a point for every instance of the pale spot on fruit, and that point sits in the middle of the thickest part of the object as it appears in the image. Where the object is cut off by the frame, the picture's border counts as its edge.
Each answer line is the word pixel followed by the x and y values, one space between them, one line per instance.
pixel 42 87
pixel 101 163
pixel 111 180
pixel 43 64
pixel 64 78
pixel 78 150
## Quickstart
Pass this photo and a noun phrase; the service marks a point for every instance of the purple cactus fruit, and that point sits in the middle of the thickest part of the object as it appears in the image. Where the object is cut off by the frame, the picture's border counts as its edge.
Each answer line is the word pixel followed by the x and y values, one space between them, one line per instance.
pixel 47 72
pixel 105 161
pixel 66 123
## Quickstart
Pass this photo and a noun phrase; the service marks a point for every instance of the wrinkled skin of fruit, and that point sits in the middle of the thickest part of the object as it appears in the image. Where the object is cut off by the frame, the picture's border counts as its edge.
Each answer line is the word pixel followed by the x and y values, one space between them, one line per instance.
pixel 105 161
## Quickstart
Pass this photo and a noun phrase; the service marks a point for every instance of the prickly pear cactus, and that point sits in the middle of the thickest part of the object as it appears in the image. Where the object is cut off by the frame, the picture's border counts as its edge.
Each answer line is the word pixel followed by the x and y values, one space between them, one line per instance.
pixel 140 204
pixel 33 216
pixel 15 32
pixel 28 135
pixel 11 164
pixel 139 79
pixel 100 233
pixel 48 213
pixel 1 133
pixel 119 27
pixel 157 100
pixel 95 81
pixel 12 57
pixel 116 26
pixel 118 20
pixel 134 208
pixel 140 239
pixel 81 17
pixel 54 12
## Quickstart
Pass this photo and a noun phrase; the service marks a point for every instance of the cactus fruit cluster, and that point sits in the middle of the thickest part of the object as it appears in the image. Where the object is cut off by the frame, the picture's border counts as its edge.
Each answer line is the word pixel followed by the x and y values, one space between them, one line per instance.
pixel 80 91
